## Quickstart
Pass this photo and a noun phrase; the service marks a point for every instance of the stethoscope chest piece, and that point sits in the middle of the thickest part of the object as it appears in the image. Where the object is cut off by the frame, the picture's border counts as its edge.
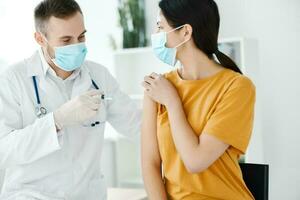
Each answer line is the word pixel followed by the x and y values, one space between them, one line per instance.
pixel 40 111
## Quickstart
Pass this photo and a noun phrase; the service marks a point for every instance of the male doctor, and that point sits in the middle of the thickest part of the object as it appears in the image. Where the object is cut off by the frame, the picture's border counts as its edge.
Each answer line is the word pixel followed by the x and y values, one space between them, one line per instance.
pixel 53 109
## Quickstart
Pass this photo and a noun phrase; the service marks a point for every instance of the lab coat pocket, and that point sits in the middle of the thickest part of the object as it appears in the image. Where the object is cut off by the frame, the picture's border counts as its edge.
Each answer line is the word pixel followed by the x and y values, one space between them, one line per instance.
pixel 97 189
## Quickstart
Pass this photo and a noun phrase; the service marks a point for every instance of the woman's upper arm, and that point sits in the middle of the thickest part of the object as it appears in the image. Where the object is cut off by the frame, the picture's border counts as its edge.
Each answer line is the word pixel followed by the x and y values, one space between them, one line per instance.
pixel 150 152
pixel 211 149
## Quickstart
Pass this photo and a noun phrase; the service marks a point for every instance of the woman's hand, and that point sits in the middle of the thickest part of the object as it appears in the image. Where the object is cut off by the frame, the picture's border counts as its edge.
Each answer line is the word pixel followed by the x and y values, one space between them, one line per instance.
pixel 159 89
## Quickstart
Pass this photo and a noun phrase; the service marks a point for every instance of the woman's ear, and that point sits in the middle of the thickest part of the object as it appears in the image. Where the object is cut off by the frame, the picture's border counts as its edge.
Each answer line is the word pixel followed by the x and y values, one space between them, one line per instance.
pixel 188 31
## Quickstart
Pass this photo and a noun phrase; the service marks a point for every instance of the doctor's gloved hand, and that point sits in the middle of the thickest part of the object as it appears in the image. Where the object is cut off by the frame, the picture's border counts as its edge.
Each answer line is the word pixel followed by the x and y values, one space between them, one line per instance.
pixel 78 110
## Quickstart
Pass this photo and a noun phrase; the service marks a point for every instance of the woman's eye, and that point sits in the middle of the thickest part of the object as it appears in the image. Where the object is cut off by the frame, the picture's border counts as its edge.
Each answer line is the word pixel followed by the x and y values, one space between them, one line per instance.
pixel 159 28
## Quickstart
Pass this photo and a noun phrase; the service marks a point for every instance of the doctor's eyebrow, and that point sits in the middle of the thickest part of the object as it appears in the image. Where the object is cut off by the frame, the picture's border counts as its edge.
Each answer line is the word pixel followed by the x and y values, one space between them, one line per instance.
pixel 84 32
pixel 69 37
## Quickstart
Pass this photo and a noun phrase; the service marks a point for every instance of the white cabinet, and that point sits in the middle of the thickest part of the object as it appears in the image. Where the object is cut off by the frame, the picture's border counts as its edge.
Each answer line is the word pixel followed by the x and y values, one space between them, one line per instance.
pixel 131 65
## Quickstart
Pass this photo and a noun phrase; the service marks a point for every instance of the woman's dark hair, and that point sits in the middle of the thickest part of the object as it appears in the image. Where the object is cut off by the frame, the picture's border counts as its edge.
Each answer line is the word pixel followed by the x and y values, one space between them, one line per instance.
pixel 204 17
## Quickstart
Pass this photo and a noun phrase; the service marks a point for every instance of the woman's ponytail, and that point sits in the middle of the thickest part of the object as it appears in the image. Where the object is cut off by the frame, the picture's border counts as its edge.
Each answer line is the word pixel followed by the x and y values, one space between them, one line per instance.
pixel 227 62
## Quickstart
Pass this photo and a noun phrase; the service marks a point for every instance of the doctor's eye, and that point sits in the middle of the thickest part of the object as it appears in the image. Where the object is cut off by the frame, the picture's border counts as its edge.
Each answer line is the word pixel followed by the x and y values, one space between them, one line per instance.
pixel 66 41
pixel 81 38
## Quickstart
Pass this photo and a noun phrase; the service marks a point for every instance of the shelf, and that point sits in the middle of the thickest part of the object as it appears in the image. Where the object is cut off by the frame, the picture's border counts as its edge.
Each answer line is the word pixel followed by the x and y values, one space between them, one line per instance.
pixel 132 51
pixel 132 183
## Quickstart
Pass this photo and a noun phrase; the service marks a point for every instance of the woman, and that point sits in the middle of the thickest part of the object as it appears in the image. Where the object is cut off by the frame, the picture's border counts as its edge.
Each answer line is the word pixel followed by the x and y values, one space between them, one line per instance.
pixel 197 119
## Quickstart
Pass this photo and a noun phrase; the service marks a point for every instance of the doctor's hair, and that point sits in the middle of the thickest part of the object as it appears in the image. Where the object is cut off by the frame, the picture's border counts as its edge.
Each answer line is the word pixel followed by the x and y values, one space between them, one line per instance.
pixel 53 8
pixel 204 17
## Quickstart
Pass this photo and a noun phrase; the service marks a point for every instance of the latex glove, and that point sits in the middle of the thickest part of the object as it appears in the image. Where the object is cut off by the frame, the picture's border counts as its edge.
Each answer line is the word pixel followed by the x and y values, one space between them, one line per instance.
pixel 78 110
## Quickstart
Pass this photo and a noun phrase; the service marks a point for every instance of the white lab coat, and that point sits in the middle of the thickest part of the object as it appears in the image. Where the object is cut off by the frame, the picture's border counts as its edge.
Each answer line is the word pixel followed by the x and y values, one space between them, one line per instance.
pixel 41 163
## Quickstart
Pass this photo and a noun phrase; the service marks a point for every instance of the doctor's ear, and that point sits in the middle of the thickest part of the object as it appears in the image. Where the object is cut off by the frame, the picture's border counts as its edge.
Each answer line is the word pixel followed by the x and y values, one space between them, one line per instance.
pixel 39 39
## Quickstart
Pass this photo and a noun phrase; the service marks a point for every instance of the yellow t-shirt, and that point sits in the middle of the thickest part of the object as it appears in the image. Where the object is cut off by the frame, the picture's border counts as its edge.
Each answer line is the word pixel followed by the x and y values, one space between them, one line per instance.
pixel 221 105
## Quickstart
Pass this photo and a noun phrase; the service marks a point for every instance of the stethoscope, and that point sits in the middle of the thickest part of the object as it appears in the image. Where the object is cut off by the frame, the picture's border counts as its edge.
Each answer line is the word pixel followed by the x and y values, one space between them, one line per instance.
pixel 41 111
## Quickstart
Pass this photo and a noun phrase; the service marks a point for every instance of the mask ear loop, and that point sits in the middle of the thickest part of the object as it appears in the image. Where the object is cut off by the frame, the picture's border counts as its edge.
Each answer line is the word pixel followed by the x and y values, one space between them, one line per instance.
pixel 51 59
pixel 179 27
pixel 181 42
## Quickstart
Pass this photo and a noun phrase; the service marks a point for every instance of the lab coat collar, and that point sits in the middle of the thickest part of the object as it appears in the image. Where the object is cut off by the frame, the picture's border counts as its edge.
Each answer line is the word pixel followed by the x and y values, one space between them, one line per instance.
pixel 38 66
pixel 35 67
pixel 34 64
pixel 49 70
pixel 45 65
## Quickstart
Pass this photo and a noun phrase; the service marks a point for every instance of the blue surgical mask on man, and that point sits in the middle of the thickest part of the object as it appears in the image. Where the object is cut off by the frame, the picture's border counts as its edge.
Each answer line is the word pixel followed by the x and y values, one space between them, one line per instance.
pixel 165 54
pixel 69 57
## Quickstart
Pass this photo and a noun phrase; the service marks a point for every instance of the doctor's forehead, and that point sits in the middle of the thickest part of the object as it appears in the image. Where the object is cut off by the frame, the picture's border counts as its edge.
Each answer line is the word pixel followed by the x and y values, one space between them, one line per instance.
pixel 71 26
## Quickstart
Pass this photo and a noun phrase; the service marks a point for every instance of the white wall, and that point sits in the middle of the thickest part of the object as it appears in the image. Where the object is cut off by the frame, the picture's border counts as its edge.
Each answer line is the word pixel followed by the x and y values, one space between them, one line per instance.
pixel 16 35
pixel 276 25
pixel 101 20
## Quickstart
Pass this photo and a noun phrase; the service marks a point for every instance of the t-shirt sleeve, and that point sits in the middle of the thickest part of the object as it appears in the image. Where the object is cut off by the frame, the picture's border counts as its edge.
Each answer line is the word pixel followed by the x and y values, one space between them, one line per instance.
pixel 232 119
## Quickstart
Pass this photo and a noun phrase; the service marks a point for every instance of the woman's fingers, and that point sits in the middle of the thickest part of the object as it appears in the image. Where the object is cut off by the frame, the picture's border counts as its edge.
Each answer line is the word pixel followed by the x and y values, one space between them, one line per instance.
pixel 146 85
pixel 149 80
pixel 154 75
